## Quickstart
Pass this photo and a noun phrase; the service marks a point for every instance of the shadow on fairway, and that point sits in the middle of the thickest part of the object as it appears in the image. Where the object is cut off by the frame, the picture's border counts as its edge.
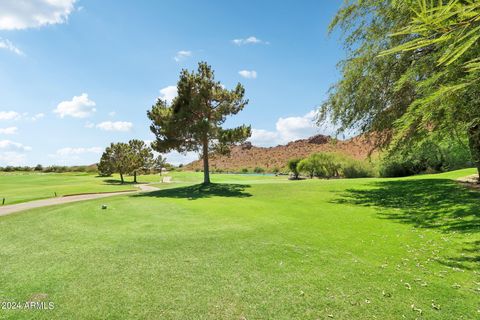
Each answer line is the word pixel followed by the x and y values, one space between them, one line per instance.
pixel 118 182
pixel 428 203
pixel 198 191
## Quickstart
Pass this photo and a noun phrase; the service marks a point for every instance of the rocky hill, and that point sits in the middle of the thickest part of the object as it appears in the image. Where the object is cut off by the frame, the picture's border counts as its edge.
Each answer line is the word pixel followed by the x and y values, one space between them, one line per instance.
pixel 249 156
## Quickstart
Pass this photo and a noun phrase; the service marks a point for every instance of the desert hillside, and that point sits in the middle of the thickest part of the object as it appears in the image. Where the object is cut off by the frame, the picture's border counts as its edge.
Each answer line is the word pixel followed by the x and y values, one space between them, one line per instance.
pixel 249 156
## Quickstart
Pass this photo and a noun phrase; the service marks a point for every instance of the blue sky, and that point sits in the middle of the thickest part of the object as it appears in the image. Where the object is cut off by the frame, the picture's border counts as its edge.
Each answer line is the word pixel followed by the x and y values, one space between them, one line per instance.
pixel 77 75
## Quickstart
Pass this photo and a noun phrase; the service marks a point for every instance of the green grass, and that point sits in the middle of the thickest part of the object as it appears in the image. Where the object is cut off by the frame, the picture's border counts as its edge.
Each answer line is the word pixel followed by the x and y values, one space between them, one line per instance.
pixel 252 247
pixel 20 186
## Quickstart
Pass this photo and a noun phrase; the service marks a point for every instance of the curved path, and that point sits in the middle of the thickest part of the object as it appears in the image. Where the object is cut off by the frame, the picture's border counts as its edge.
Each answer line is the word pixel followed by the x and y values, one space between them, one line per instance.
pixel 4 210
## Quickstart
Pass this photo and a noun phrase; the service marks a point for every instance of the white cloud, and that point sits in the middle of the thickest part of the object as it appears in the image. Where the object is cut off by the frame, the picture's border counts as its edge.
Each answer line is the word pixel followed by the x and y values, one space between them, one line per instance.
pixel 13 115
pixel 290 129
pixel 8 145
pixel 168 93
pixel 249 40
pixel 182 55
pixel 293 128
pixel 23 14
pixel 174 157
pixel 9 130
pixel 115 126
pixel 8 45
pixel 33 118
pixel 177 158
pixel 79 107
pixel 12 158
pixel 89 125
pixel 264 138
pixel 248 74
pixel 112 113
pixel 68 151
pixel 9 115
pixel 72 155
pixel 37 116
pixel 12 153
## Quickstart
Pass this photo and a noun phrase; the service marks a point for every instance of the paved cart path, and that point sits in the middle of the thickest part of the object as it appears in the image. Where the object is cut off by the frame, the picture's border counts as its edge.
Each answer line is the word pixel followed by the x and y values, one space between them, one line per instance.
pixel 8 209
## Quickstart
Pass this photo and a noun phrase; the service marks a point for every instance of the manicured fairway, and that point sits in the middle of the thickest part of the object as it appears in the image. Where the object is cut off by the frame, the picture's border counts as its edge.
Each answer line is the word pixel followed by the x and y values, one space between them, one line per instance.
pixel 20 186
pixel 252 248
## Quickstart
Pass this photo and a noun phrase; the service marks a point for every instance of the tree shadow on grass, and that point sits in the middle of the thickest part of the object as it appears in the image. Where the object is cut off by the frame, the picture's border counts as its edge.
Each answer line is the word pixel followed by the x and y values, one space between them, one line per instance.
pixel 438 204
pixel 119 182
pixel 198 191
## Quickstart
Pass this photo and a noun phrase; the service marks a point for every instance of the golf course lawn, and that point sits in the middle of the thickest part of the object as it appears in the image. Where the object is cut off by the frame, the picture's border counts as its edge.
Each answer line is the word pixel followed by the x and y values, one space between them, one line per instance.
pixel 18 187
pixel 252 247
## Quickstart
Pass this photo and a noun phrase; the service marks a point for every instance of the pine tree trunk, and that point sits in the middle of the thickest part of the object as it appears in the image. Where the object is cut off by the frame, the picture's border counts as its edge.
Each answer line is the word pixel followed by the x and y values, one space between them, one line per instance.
pixel 121 177
pixel 474 144
pixel 206 172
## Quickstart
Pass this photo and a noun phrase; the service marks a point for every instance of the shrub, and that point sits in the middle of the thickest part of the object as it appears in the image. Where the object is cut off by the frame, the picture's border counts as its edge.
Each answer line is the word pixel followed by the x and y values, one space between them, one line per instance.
pixel 293 167
pixel 321 165
pixel 357 169
pixel 396 168
pixel 426 157
pixel 244 170
pixel 259 170
pixel 329 165
pixel 307 166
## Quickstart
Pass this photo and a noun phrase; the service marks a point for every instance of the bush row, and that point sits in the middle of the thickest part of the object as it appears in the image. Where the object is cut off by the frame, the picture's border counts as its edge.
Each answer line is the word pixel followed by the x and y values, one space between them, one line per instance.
pixel 47 169
pixel 426 157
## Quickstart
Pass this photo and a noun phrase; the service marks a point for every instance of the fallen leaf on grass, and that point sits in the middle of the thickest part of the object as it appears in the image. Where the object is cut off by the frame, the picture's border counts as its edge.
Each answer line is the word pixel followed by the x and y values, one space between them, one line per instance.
pixel 416 309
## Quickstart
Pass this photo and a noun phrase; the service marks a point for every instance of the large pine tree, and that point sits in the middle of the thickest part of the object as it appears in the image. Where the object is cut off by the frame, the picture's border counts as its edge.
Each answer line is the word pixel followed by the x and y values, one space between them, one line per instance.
pixel 193 121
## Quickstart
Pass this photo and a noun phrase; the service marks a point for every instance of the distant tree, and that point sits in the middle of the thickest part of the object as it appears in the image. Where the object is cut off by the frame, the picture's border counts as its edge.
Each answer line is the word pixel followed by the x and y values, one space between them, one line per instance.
pixel 330 164
pixel 293 167
pixel 141 157
pixel 307 166
pixel 105 167
pixel 38 167
pixel 193 120
pixel 321 165
pixel 119 157
pixel 160 163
